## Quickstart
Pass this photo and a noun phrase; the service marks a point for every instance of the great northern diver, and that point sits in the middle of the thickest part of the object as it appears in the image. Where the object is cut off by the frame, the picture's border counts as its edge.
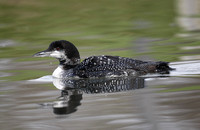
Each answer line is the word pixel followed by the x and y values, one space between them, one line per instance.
pixel 97 66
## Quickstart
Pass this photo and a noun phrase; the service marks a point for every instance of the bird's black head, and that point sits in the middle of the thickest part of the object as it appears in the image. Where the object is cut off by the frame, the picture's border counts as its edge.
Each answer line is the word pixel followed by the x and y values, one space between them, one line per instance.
pixel 63 50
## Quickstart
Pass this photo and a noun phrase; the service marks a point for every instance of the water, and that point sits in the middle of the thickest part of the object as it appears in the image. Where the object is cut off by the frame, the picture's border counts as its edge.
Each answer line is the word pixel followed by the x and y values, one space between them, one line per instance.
pixel 147 29
pixel 149 102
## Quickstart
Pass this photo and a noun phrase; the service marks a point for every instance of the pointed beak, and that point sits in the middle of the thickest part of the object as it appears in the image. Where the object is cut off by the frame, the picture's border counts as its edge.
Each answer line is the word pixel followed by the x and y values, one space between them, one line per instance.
pixel 42 54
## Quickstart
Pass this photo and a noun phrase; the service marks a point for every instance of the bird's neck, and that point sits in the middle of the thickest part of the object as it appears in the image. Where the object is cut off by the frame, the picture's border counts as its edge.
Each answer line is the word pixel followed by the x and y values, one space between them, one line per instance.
pixel 69 64
pixel 66 67
pixel 58 72
pixel 62 69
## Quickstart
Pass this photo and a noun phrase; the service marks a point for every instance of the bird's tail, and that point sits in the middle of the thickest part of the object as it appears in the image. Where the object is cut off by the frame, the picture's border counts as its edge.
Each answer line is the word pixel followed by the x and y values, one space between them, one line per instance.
pixel 163 67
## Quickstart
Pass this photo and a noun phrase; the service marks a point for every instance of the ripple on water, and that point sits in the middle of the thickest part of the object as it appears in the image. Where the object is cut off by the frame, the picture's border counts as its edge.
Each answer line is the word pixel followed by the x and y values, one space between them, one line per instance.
pixel 186 68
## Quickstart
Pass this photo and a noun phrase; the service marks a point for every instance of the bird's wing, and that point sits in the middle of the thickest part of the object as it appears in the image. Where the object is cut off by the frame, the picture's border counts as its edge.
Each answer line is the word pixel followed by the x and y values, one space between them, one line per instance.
pixel 102 65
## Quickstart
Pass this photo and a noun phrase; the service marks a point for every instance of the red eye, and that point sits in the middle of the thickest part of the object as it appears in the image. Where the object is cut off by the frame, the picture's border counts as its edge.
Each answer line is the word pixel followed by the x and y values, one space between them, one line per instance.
pixel 57 48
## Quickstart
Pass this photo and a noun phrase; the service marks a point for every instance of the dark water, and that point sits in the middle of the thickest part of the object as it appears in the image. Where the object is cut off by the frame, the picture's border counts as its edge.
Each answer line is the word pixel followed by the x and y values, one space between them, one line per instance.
pixel 147 29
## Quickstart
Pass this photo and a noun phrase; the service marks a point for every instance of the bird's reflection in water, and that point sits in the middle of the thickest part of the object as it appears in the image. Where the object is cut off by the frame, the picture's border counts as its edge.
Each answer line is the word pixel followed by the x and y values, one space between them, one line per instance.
pixel 72 90
pixel 67 102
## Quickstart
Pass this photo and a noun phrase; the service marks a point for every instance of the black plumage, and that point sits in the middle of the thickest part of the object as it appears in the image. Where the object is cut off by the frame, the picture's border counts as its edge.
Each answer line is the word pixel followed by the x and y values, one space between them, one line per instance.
pixel 96 66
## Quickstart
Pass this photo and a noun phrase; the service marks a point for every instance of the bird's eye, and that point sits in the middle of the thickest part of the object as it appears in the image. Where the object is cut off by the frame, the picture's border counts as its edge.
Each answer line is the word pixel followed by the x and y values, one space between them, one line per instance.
pixel 57 48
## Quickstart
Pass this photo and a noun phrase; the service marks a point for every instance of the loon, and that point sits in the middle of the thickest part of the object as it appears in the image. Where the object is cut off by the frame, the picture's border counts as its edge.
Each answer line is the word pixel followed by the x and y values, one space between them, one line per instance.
pixel 97 66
